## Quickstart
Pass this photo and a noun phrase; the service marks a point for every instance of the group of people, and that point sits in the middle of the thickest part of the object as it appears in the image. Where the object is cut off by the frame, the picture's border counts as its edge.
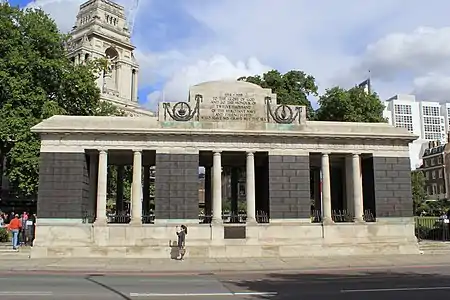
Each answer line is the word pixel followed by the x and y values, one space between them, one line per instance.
pixel 21 227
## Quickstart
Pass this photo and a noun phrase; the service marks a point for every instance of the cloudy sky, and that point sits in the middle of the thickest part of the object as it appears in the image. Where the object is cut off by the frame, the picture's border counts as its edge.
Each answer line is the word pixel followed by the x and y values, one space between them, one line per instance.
pixel 405 43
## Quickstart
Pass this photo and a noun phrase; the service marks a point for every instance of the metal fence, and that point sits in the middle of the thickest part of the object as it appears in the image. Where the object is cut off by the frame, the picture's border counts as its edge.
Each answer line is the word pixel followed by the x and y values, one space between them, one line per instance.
pixel 432 228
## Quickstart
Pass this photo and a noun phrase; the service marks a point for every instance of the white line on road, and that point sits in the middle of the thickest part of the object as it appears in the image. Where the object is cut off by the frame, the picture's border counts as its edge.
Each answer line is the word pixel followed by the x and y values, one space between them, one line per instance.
pixel 22 294
pixel 434 288
pixel 204 294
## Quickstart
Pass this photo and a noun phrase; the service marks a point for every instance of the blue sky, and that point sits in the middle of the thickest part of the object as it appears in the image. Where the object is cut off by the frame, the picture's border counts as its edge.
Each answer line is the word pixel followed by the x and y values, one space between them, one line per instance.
pixel 405 43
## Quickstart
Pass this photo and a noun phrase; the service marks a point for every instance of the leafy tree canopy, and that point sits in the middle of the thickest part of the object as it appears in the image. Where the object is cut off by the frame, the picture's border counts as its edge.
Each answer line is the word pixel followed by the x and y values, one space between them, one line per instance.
pixel 353 105
pixel 292 88
pixel 37 80
pixel 418 191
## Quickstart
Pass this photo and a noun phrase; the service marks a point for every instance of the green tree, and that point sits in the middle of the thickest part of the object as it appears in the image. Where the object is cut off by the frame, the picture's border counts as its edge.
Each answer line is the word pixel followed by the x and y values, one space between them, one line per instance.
pixel 37 80
pixel 292 88
pixel 353 105
pixel 418 190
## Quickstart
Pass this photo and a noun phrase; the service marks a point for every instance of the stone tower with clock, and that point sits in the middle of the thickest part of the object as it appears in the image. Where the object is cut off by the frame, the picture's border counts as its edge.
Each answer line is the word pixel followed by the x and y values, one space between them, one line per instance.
pixel 101 31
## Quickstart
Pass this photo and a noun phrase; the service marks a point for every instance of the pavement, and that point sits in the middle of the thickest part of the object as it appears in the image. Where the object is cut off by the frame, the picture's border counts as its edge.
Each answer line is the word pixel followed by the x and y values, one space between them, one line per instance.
pixel 214 265
pixel 386 283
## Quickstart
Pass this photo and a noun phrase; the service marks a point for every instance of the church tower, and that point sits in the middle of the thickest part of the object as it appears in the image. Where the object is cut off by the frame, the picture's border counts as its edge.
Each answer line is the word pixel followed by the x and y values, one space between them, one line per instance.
pixel 101 31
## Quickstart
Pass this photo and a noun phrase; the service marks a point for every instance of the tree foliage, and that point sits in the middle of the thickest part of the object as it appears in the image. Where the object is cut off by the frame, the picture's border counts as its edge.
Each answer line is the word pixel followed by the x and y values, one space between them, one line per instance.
pixel 418 190
pixel 353 105
pixel 37 80
pixel 291 88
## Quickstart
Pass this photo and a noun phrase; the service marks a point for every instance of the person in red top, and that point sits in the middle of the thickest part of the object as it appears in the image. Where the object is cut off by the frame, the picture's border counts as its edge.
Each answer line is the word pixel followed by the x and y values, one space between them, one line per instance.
pixel 14 226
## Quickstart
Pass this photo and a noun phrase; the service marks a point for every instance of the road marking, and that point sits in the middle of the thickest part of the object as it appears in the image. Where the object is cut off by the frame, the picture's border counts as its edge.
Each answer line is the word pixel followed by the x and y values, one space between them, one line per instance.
pixel 434 288
pixel 204 294
pixel 21 294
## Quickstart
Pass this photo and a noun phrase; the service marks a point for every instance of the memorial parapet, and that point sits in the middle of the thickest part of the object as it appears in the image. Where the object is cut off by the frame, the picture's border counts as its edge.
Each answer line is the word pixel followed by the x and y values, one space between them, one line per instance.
pixel 231 101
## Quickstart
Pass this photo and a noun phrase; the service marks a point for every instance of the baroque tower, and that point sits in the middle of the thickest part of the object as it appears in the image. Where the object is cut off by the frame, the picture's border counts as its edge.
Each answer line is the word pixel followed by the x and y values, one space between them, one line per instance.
pixel 101 31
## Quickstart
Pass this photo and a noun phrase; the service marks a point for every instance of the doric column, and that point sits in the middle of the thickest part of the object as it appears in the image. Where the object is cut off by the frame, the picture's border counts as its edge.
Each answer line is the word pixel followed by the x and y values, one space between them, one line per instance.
pixel 326 189
pixel 135 85
pixel 357 188
pixel 136 200
pixel 250 188
pixel 119 191
pixel 217 187
pixel 102 186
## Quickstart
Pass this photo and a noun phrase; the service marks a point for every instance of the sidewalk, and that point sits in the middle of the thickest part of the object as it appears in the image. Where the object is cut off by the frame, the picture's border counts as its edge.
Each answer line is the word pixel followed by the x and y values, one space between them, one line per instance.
pixel 160 266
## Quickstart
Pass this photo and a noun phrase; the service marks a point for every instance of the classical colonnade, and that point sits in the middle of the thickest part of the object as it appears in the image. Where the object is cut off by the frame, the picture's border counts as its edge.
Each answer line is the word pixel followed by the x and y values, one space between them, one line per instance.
pixel 353 160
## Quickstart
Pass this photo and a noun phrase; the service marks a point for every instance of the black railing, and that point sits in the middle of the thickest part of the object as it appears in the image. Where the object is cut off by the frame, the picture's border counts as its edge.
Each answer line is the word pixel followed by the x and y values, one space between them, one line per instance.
pixel 341 216
pixel 240 218
pixel 118 218
pixel 148 219
pixel 432 228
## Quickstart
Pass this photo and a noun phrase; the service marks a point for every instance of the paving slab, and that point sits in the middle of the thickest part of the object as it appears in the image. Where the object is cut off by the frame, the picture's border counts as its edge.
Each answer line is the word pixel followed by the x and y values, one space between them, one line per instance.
pixel 216 265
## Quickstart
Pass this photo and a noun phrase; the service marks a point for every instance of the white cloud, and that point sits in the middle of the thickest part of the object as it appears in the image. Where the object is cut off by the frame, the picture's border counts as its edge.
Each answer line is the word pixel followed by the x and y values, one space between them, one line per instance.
pixel 216 68
pixel 405 43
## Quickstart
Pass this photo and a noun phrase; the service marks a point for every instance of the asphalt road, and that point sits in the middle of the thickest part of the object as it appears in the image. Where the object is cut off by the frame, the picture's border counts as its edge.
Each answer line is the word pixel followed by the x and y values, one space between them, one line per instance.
pixel 344 284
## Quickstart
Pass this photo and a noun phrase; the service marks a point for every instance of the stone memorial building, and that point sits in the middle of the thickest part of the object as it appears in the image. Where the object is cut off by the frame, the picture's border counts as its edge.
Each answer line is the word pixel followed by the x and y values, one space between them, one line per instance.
pixel 310 188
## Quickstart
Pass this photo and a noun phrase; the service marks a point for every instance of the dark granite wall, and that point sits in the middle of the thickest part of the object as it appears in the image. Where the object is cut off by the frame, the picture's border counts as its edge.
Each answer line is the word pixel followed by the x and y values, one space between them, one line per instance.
pixel 63 185
pixel 176 186
pixel 392 178
pixel 289 186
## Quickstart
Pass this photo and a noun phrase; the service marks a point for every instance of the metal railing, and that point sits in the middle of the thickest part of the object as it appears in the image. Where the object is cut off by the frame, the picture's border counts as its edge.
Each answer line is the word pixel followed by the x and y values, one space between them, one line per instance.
pixel 432 228
pixel 240 218
pixel 341 216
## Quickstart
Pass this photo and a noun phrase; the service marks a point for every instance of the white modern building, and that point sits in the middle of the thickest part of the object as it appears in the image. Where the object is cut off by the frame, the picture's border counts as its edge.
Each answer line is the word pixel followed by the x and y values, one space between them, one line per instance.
pixel 429 120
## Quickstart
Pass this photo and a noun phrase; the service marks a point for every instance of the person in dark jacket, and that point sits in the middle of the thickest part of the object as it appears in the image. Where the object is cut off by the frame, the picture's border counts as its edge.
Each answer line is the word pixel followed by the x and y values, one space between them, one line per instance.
pixel 181 233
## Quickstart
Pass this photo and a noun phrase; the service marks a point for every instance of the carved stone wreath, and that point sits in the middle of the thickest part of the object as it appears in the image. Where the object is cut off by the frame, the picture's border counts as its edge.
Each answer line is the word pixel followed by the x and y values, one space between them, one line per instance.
pixel 283 114
pixel 182 111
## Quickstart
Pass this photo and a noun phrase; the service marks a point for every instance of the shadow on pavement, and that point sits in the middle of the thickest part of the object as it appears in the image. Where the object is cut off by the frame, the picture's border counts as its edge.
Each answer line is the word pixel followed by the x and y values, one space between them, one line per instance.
pixel 355 285
pixel 91 278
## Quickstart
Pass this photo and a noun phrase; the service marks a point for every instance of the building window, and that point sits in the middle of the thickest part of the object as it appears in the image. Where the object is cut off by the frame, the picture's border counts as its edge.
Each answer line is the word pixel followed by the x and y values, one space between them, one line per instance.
pixel 435 189
pixel 427 163
pixel 441 189
pixel 440 173
pixel 433 174
pixel 403 117
pixel 433 161
pixel 427 175
pixel 440 160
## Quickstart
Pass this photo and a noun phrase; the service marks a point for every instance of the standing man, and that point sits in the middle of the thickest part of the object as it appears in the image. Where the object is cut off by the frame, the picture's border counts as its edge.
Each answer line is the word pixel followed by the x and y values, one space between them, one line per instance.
pixel 23 229
pixel 14 226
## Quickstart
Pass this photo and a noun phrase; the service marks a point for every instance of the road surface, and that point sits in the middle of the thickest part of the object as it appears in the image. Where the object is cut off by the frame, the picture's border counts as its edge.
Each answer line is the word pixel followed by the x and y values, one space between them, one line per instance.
pixel 411 283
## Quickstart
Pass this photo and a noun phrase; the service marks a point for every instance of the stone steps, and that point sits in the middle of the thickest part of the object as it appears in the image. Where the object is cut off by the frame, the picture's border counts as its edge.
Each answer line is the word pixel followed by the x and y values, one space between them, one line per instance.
pixel 435 247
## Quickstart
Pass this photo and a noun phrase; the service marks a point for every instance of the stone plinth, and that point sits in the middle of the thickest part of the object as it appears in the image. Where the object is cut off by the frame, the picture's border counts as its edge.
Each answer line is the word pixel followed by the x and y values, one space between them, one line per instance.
pixel 263 240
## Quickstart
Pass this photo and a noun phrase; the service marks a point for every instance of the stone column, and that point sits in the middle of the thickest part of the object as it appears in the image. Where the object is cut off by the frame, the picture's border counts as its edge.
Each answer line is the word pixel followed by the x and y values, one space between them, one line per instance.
pixel 136 200
pixel 357 188
pixel 93 178
pixel 135 87
pixel 102 187
pixel 119 191
pixel 326 189
pixel 250 188
pixel 217 188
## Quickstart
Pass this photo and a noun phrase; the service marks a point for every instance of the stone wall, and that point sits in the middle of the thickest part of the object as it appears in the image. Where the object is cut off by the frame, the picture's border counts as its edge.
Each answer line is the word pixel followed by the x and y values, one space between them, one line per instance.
pixel 392 178
pixel 63 185
pixel 176 186
pixel 289 186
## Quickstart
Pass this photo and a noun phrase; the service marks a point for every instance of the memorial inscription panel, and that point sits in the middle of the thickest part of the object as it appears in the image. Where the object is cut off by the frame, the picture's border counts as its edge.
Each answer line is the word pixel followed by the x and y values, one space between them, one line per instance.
pixel 233 107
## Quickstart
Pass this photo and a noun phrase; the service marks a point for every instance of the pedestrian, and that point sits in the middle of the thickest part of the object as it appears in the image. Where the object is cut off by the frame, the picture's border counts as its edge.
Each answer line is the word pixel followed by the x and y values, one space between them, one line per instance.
pixel 14 226
pixel 181 233
pixel 23 235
